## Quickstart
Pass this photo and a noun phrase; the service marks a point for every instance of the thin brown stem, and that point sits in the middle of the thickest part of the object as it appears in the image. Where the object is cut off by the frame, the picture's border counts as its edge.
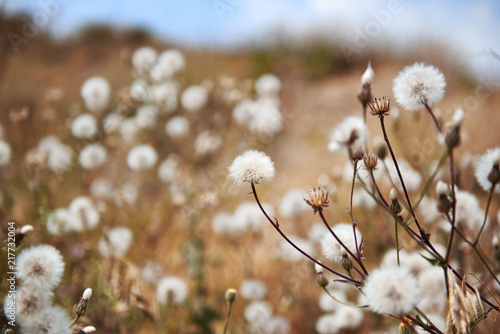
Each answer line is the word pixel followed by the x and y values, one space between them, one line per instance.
pixel 492 190
pixel 277 228
pixel 433 117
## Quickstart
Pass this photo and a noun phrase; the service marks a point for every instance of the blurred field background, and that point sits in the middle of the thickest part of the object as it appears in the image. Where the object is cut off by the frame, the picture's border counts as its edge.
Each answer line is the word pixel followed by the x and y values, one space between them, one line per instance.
pixel 318 90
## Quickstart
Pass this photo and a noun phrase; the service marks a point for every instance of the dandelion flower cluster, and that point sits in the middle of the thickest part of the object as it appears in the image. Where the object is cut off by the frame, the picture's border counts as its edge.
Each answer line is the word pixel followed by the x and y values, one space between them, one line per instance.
pixel 418 85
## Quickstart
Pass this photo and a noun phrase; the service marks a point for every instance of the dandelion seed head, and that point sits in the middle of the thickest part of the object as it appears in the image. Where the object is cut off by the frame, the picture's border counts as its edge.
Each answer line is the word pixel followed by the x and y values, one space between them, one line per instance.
pixel 117 243
pixel 59 221
pixel 267 84
pixel 142 157
pixel 169 63
pixel 391 290
pixel 350 134
pixel 292 204
pixel 84 213
pixel 40 266
pixel 84 126
pixel 171 287
pixel 194 98
pixel 277 325
pixel 207 143
pixel 102 188
pixel 327 324
pixel 95 93
pixel 484 166
pixel 253 289
pixel 5 153
pixel 258 312
pixel 93 156
pixel 177 127
pixel 327 303
pixel 333 250
pixel 252 167
pixel 50 319
pixel 348 317
pixel 143 59
pixel 146 116
pixel 417 85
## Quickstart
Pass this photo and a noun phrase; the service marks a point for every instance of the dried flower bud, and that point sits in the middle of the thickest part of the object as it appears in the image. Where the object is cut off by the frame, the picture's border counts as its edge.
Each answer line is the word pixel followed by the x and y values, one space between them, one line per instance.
pixel 81 308
pixel 321 280
pixel 317 199
pixel 346 263
pixel 356 155
pixel 370 161
pixel 395 206
pixel 380 106
pixel 230 295
pixel 365 95
pixel 444 202
pixel 452 136
pixel 494 175
pixel 381 151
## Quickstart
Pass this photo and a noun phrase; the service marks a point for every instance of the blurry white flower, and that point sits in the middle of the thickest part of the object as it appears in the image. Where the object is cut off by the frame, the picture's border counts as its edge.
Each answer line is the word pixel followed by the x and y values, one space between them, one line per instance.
pixel 292 204
pixel 194 98
pixel 143 59
pixel 50 319
pixel 5 153
pixel 59 158
pixel 146 116
pixel 417 85
pixel 140 91
pixel 267 84
pixel 128 194
pixel 327 303
pixel 333 250
pixel 412 261
pixel 433 290
pixel 40 266
pixel 101 188
pixel 267 120
pixel 93 156
pixel 258 312
pixel 28 302
pixel 165 93
pixel 206 143
pixel 351 134
pixel 224 223
pixel 87 216
pixel 252 167
pixel 177 127
pixel 348 317
pixel 84 126
pixel 277 325
pixel 487 166
pixel 152 271
pixel 129 129
pixel 316 232
pixel 171 289
pixel 391 290
pixel 141 157
pixel 327 324
pixel 249 217
pixel 468 211
pixel 117 243
pixel 112 122
pixel 362 199
pixel 253 289
pixel 95 93
pixel 168 171
pixel 368 75
pixel 59 221
pixel 428 210
pixel 169 62
pixel 412 178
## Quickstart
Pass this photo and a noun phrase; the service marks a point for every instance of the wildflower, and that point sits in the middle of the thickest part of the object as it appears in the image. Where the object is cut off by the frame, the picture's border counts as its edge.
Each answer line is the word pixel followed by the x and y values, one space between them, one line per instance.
pixel 348 317
pixel 225 223
pixel 370 161
pixel 252 167
pixel 333 250
pixel 84 126
pixel 143 59
pixel 40 266
pixel 93 156
pixel 487 170
pixel 194 98
pixel 169 62
pixel 351 134
pixel 391 290
pixel 451 136
pixel 95 93
pixel 468 211
pixel 267 84
pixel 177 127
pixel 248 216
pixel 317 199
pixel 5 153
pixel 112 122
pixel 253 289
pixel 129 129
pixel 206 143
pixel 81 308
pixel 380 106
pixel 117 243
pixel 28 301
pixel 418 85
pixel 141 157
pixel 171 289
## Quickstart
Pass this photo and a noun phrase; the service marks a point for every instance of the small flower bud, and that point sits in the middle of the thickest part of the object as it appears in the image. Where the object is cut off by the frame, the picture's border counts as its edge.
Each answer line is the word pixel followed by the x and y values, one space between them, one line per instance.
pixel 230 295
pixel 318 268
pixel 368 76
pixel 81 308
pixel 365 95
pixel 494 175
pixel 26 229
pixel 321 280
pixel 452 136
pixel 356 155
pixel 442 188
pixel 395 206
pixel 87 294
pixel 370 160
pixel 88 329
pixel 405 327
pixel 381 151
pixel 444 202
pixel 346 263
pixel 79 329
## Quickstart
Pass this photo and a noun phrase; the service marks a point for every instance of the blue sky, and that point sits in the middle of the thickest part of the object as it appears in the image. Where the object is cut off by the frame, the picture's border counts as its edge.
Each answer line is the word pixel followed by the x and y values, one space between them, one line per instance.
pixel 466 26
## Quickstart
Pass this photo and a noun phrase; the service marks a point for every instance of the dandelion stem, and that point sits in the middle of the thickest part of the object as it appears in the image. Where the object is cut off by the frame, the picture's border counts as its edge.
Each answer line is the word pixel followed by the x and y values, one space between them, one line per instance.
pixel 492 190
pixel 433 117
pixel 228 315
pixel 340 302
pixel 277 228
pixel 397 239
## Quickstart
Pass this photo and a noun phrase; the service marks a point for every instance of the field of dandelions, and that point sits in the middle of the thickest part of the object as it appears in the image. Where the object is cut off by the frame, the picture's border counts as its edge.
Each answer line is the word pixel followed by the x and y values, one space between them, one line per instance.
pixel 161 200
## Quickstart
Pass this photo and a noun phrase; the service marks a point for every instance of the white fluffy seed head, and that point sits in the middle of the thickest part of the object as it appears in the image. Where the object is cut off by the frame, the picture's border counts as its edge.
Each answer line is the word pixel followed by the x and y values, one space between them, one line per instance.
pixel 143 59
pixel 350 134
pixel 142 157
pixel 253 289
pixel 418 85
pixel 267 84
pixel 171 289
pixel 333 250
pixel 484 167
pixel 5 153
pixel 93 156
pixel 391 290
pixel 368 75
pixel 252 167
pixel 95 93
pixel 119 240
pixel 441 188
pixel 84 126
pixel 40 266
pixel 394 194
pixel 194 98
pixel 177 127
